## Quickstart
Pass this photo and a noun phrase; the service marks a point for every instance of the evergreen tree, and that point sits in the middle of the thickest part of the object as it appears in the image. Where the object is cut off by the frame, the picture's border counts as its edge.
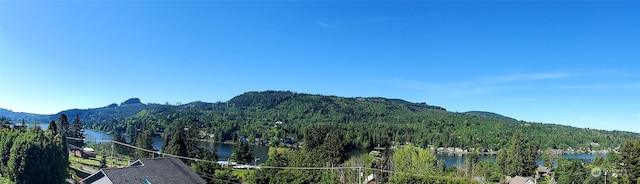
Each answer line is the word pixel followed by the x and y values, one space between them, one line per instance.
pixel 63 125
pixel 77 132
pixel 570 171
pixel 385 162
pixel 519 159
pixel 175 143
pixel 630 158
pixel 612 158
pixel 549 156
pixel 206 168
pixel 335 147
pixel 315 137
pixel 144 141
pixel 63 131
pixel 243 153
pixel 53 127
pixel 120 149
pixel 33 157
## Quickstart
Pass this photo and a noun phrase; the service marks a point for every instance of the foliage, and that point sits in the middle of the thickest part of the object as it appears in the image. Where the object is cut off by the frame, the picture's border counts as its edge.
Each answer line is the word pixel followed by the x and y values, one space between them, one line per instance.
pixel 143 141
pixel 205 168
pixel 327 140
pixel 470 162
pixel 549 156
pixel 53 127
pixel 328 149
pixel 630 157
pixel 63 126
pixel 519 159
pixel 490 171
pixel 76 131
pixel 365 122
pixel 184 142
pixel 416 165
pixel 242 153
pixel 32 156
pixel 570 171
pixel 410 159
pixel 117 136
pixel 384 161
pixel 410 179
pixel 282 157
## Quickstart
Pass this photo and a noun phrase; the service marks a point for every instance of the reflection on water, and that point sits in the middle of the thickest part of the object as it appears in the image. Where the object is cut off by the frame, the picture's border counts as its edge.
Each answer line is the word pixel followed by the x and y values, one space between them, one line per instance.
pixel 224 150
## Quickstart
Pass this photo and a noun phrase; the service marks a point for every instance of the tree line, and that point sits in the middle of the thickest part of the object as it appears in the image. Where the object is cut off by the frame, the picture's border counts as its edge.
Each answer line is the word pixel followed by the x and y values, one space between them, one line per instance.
pixel 34 155
pixel 365 121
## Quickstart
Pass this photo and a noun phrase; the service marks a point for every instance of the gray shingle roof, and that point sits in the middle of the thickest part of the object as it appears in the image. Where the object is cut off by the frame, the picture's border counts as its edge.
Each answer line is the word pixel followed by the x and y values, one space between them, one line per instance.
pixel 156 170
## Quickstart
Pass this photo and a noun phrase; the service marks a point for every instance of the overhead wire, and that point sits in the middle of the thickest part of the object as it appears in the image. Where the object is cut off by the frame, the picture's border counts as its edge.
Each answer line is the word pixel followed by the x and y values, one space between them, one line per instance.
pixel 258 167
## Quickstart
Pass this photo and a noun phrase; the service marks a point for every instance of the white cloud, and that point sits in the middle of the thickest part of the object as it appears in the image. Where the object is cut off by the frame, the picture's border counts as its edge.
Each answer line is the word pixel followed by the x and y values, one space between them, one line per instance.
pixel 526 77
pixel 595 86
pixel 324 25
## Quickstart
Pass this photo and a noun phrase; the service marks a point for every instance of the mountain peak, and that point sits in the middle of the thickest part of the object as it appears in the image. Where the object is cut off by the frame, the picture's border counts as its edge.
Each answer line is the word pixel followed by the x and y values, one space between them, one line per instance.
pixel 131 101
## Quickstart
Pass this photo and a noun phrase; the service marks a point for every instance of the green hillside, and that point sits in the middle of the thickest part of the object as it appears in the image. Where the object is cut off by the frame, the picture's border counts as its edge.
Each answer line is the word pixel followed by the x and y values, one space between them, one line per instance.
pixel 366 121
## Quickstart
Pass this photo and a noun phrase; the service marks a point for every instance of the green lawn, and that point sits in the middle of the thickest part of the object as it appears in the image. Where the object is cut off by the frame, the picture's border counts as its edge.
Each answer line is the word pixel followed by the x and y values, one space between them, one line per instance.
pixel 5 180
pixel 89 161
pixel 242 173
pixel 76 164
pixel 95 162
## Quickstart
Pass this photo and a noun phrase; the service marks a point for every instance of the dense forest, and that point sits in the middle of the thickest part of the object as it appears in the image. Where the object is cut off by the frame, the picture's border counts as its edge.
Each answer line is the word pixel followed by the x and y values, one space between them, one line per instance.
pixel 366 121
pixel 32 155
pixel 327 127
pixel 272 115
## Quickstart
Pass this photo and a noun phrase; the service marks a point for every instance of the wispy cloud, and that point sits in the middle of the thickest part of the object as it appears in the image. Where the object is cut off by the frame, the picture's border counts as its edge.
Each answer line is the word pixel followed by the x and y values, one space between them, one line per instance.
pixel 594 86
pixel 549 81
pixel 453 89
pixel 527 77
pixel 325 24
pixel 598 122
pixel 322 24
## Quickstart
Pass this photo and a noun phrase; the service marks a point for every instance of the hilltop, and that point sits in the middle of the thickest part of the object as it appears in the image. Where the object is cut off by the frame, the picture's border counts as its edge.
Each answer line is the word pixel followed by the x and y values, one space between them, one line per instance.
pixel 367 121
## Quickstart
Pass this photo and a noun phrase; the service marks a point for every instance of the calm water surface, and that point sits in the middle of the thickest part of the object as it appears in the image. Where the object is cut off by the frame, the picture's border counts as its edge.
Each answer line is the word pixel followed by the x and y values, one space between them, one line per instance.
pixel 224 151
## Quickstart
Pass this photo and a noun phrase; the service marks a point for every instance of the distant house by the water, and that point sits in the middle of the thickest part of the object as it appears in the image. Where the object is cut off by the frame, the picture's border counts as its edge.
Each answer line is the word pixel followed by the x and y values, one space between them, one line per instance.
pixel 12 126
pixel 289 140
pixel 82 152
pixel 243 140
pixel 166 170
pixel 278 123
pixel 542 171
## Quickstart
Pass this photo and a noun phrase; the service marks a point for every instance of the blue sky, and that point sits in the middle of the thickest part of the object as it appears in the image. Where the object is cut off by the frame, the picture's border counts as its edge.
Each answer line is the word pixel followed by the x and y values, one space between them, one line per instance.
pixel 571 63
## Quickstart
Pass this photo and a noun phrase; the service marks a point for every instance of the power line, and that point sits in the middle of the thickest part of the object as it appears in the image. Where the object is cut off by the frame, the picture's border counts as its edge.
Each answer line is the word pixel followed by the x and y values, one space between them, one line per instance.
pixel 259 167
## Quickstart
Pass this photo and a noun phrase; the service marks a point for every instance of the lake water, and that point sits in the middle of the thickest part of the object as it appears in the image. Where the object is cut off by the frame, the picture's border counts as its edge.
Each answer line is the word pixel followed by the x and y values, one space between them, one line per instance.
pixel 224 151
pixel 458 160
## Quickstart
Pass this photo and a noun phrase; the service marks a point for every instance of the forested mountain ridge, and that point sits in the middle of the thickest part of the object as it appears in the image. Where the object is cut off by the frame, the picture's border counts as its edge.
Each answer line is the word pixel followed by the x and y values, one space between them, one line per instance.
pixel 19 116
pixel 366 122
pixel 110 112
pixel 490 115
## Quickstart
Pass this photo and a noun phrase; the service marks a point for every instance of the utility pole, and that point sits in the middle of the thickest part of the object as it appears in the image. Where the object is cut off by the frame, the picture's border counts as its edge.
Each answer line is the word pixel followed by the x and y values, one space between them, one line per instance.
pixel 605 176
pixel 360 175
